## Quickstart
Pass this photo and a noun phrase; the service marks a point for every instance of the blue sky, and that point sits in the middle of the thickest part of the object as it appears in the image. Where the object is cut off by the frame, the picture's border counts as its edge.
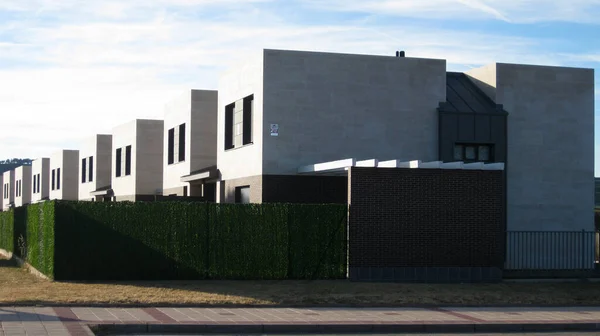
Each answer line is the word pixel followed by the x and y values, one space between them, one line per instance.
pixel 71 68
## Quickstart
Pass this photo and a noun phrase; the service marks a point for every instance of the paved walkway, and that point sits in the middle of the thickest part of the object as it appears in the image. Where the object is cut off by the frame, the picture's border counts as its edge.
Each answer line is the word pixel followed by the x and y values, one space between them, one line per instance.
pixel 76 321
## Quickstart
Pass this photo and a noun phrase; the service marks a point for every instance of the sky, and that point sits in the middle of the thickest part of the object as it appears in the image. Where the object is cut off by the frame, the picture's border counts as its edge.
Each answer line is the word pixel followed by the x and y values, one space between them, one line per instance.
pixel 70 69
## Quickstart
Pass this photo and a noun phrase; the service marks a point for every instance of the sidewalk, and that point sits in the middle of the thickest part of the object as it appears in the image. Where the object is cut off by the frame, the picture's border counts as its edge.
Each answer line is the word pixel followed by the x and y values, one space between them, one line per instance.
pixel 78 321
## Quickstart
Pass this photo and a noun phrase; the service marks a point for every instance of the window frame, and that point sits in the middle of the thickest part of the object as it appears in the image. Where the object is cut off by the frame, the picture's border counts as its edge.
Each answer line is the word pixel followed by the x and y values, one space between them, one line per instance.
pixel 477 148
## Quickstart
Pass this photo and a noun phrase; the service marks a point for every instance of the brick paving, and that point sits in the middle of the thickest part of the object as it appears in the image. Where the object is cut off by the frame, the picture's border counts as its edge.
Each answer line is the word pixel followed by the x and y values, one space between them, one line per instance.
pixel 75 320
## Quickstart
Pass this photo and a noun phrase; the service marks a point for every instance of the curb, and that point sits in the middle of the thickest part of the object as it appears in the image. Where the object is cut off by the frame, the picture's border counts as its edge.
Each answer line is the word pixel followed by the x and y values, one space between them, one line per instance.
pixel 22 263
pixel 111 329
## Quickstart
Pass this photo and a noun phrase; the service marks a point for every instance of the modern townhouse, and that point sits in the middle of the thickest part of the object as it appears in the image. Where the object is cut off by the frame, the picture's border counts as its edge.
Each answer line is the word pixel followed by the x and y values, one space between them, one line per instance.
pixel 95 167
pixel 40 172
pixel 317 127
pixel 23 188
pixel 283 113
pixel 137 160
pixel 190 145
pixel 64 167
pixel 8 189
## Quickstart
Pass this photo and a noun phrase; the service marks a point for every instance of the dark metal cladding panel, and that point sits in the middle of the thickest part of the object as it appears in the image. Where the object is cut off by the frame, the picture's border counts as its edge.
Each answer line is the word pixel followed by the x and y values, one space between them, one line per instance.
pixel 483 128
pixel 466 127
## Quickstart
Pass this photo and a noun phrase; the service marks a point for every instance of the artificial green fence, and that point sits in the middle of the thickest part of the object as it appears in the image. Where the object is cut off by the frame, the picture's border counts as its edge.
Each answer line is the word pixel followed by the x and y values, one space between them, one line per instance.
pixel 175 240
pixel 7 228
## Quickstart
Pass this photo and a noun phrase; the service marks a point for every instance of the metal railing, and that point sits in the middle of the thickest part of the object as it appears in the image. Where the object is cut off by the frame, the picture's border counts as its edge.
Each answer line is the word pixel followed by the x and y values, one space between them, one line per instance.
pixel 552 250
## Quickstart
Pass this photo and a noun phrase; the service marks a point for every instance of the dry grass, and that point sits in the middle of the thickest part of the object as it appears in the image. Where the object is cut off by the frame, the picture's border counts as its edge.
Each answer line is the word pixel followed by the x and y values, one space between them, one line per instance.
pixel 20 287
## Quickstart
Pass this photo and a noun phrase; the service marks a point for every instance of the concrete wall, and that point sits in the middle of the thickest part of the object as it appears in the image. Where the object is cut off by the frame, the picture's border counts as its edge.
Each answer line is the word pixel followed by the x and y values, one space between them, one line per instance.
pixel 237 83
pixel 147 166
pixel 550 165
pixel 203 140
pixel 68 162
pixel 23 176
pixel 198 110
pixel 333 106
pixel 103 166
pixel 41 166
pixel 122 136
pixel 8 177
pixel 100 148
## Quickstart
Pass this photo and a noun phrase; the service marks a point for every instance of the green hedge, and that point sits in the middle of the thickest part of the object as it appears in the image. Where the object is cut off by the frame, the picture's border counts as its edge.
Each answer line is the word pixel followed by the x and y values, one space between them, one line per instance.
pixel 7 227
pixel 176 240
pixel 33 236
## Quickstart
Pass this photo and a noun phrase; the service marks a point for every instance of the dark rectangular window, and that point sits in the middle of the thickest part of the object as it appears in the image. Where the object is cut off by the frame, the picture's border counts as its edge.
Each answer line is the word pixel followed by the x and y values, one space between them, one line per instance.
pixel 38 183
pixel 473 152
pixel 34 184
pixel 238 123
pixel 53 179
pixel 242 195
pixel 83 170
pixel 57 178
pixel 91 163
pixel 181 143
pixel 118 162
pixel 229 126
pixel 171 146
pixel 128 160
pixel 247 123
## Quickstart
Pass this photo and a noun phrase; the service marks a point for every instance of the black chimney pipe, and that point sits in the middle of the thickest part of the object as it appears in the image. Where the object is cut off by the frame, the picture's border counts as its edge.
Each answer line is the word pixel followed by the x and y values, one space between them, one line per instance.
pixel 400 53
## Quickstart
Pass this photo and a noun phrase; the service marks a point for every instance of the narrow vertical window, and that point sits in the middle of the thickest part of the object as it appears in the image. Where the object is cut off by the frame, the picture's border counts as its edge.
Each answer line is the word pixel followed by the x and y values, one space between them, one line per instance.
pixel 91 163
pixel 53 179
pixel 170 146
pixel 128 160
pixel 34 184
pixel 57 178
pixel 118 162
pixel 83 170
pixel 229 126
pixel 247 122
pixel 181 143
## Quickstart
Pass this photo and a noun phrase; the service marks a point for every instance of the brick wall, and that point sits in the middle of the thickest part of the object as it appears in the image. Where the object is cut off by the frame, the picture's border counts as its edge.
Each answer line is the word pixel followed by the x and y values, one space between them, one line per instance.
pixel 305 189
pixel 426 224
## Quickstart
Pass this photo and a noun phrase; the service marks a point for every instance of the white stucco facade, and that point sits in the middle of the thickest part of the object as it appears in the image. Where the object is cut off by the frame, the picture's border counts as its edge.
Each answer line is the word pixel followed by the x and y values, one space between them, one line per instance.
pixel 23 179
pixel 138 174
pixel 40 171
pixel 191 117
pixel 8 194
pixel 95 165
pixel 64 165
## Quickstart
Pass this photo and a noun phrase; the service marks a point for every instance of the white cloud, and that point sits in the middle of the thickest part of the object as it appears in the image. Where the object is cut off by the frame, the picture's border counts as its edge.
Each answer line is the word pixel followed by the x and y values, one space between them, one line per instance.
pixel 70 78
pixel 518 11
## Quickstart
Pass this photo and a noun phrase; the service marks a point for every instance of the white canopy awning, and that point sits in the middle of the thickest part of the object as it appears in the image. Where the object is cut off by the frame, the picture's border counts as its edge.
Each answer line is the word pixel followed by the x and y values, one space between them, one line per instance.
pixel 341 166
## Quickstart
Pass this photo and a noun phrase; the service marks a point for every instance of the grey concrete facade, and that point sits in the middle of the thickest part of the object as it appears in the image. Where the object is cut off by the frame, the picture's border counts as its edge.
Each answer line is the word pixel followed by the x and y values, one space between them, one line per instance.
pixel 550 161
pixel 194 113
pixel 329 106
pixel 8 189
pixel 23 180
pixel 40 174
pixel 96 154
pixel 64 166
pixel 141 173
